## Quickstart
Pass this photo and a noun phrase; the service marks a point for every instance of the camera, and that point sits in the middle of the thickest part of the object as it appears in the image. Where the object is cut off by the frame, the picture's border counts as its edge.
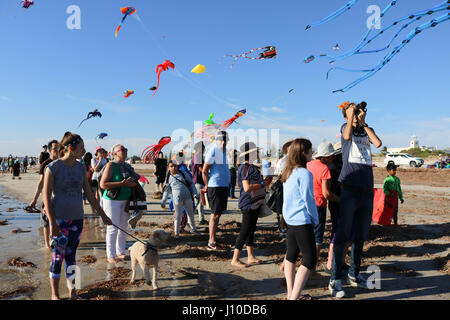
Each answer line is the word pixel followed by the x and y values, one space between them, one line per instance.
pixel 361 107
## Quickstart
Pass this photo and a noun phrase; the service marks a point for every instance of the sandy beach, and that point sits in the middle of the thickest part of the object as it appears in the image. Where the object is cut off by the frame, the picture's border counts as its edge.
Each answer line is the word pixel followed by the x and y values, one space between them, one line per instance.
pixel 413 257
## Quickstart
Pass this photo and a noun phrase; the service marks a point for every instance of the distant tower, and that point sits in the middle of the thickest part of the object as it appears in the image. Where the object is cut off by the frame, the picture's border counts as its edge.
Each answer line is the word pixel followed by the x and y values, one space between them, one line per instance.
pixel 414 143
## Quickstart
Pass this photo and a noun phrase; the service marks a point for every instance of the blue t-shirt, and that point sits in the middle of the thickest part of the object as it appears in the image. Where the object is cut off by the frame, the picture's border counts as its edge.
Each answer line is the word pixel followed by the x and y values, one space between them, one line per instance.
pixel 219 174
pixel 299 206
pixel 254 177
pixel 357 160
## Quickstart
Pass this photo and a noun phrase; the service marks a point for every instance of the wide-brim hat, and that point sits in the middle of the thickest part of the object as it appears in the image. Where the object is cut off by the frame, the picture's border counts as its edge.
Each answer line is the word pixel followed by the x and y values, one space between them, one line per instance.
pixel 325 149
pixel 247 148
pixel 338 147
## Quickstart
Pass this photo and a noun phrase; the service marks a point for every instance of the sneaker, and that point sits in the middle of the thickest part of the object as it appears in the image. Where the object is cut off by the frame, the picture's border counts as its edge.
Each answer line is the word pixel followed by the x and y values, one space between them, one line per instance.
pixel 358 281
pixel 203 222
pixel 214 247
pixel 283 234
pixel 336 290
pixel 135 217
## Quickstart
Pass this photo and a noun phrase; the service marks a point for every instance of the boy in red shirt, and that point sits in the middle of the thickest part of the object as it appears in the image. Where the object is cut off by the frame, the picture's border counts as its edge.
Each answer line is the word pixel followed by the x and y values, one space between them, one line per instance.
pixel 322 186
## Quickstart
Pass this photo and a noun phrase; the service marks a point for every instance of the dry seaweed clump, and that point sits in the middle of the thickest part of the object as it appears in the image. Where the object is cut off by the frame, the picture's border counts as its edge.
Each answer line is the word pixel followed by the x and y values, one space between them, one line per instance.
pixel 119 272
pixel 3 222
pixel 146 224
pixel 19 231
pixel 18 262
pixel 16 292
pixel 107 290
pixel 443 264
pixel 202 254
pixel 88 259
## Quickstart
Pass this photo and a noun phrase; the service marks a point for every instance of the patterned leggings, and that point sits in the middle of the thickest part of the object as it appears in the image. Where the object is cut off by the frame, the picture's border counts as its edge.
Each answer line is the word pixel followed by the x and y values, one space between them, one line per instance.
pixel 72 230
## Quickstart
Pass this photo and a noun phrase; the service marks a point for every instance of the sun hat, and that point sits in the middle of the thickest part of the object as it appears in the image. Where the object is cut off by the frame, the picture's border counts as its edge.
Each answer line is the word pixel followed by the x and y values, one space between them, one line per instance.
pixel 325 149
pixel 247 148
pixel 97 149
pixel 338 147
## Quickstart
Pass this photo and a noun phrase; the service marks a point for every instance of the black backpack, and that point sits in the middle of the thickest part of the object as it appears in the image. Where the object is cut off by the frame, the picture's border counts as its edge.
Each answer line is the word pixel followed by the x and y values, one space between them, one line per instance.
pixel 274 198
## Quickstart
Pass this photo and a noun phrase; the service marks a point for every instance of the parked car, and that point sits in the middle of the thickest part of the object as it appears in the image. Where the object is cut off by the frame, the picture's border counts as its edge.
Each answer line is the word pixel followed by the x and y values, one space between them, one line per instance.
pixel 403 159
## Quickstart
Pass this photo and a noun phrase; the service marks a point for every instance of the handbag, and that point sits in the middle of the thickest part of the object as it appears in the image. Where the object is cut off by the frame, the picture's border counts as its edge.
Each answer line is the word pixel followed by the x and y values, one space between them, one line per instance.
pixel 274 198
pixel 264 211
pixel 258 197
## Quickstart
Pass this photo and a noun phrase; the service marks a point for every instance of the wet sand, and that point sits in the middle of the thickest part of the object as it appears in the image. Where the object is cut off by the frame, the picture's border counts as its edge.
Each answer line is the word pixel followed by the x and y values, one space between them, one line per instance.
pixel 413 257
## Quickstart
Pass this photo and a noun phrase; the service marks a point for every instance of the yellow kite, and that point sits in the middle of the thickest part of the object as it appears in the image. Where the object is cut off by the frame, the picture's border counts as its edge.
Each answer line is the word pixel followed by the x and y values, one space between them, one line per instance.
pixel 199 69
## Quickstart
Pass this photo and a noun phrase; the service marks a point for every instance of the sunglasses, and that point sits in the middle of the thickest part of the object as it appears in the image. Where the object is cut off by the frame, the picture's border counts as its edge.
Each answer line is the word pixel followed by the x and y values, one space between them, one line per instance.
pixel 122 149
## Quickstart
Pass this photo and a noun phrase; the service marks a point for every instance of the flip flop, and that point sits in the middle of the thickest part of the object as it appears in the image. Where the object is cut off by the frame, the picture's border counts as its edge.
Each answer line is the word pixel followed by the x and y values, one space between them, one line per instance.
pixel 306 297
pixel 30 209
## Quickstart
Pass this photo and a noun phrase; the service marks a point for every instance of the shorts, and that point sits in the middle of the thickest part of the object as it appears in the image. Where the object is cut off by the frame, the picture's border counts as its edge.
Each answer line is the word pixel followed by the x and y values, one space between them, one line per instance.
pixel 218 199
pixel 160 179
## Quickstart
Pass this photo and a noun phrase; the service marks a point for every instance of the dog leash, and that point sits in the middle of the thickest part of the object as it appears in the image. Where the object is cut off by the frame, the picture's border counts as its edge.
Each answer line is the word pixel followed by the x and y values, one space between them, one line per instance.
pixel 147 245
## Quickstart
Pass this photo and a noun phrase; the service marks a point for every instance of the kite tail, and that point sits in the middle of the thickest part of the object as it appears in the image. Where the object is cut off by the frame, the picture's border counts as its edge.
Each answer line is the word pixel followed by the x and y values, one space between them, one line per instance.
pixel 118 29
pixel 430 24
pixel 158 71
pixel 334 15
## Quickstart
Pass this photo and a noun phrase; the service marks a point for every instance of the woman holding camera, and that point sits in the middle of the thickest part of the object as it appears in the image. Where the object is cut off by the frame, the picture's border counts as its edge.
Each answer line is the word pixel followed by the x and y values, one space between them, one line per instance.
pixel 117 181
pixel 64 180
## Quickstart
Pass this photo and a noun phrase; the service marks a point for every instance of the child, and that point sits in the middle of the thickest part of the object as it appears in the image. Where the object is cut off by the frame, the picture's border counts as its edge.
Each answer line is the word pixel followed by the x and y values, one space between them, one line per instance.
pixel 392 183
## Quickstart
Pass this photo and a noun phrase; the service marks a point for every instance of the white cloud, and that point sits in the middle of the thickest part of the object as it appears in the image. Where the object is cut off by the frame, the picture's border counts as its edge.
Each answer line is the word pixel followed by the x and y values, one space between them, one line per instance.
pixel 4 98
pixel 273 109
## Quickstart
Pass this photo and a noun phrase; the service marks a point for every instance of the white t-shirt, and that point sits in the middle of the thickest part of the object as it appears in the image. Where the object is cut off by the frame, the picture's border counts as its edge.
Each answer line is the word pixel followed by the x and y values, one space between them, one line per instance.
pixel 94 162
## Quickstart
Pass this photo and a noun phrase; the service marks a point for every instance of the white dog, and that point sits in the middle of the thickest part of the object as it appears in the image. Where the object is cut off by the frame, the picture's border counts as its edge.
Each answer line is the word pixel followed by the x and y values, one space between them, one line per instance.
pixel 151 258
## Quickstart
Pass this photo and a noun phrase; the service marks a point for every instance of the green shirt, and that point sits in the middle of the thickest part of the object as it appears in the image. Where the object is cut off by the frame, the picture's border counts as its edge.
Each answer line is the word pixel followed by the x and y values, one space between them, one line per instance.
pixel 125 192
pixel 392 183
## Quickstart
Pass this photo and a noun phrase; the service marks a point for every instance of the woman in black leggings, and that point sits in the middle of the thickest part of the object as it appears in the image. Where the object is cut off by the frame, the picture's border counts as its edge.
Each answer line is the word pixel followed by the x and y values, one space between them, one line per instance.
pixel 249 180
pixel 300 214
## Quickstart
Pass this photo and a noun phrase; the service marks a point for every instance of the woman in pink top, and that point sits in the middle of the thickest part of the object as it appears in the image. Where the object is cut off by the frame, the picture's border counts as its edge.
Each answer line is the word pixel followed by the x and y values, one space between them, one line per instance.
pixel 322 185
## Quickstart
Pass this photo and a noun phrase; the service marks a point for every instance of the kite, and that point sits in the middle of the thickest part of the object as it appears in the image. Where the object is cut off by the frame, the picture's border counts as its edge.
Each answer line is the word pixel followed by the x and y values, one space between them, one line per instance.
pixel 292 90
pixel 163 67
pixel 268 53
pixel 336 47
pixel 210 121
pixel 90 115
pixel 149 154
pixel 126 12
pixel 27 3
pixel 416 16
pixel 199 69
pixel 370 72
pixel 101 136
pixel 152 89
pixel 209 131
pixel 128 93
pixel 334 15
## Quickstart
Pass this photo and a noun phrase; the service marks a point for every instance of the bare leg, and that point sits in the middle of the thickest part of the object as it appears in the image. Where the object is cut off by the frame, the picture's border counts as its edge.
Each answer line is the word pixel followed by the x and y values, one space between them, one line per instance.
pixel 282 264
pixel 289 273
pixel 251 256
pixel 300 280
pixel 213 223
pixel 46 237
pixel 54 284
pixel 235 262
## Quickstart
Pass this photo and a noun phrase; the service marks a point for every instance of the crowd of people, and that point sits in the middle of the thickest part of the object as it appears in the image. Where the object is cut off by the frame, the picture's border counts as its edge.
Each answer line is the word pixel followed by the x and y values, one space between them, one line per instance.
pixel 337 177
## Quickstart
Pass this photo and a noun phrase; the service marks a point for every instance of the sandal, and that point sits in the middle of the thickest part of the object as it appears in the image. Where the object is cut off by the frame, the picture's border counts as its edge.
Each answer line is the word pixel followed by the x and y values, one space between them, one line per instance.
pixel 30 209
pixel 306 297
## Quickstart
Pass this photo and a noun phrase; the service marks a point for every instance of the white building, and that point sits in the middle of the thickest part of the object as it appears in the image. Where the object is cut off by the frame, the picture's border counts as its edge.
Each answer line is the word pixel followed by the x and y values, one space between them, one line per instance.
pixel 413 143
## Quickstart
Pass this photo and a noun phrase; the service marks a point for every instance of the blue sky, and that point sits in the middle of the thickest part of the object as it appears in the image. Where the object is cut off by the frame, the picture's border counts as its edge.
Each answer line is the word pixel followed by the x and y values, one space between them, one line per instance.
pixel 51 77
